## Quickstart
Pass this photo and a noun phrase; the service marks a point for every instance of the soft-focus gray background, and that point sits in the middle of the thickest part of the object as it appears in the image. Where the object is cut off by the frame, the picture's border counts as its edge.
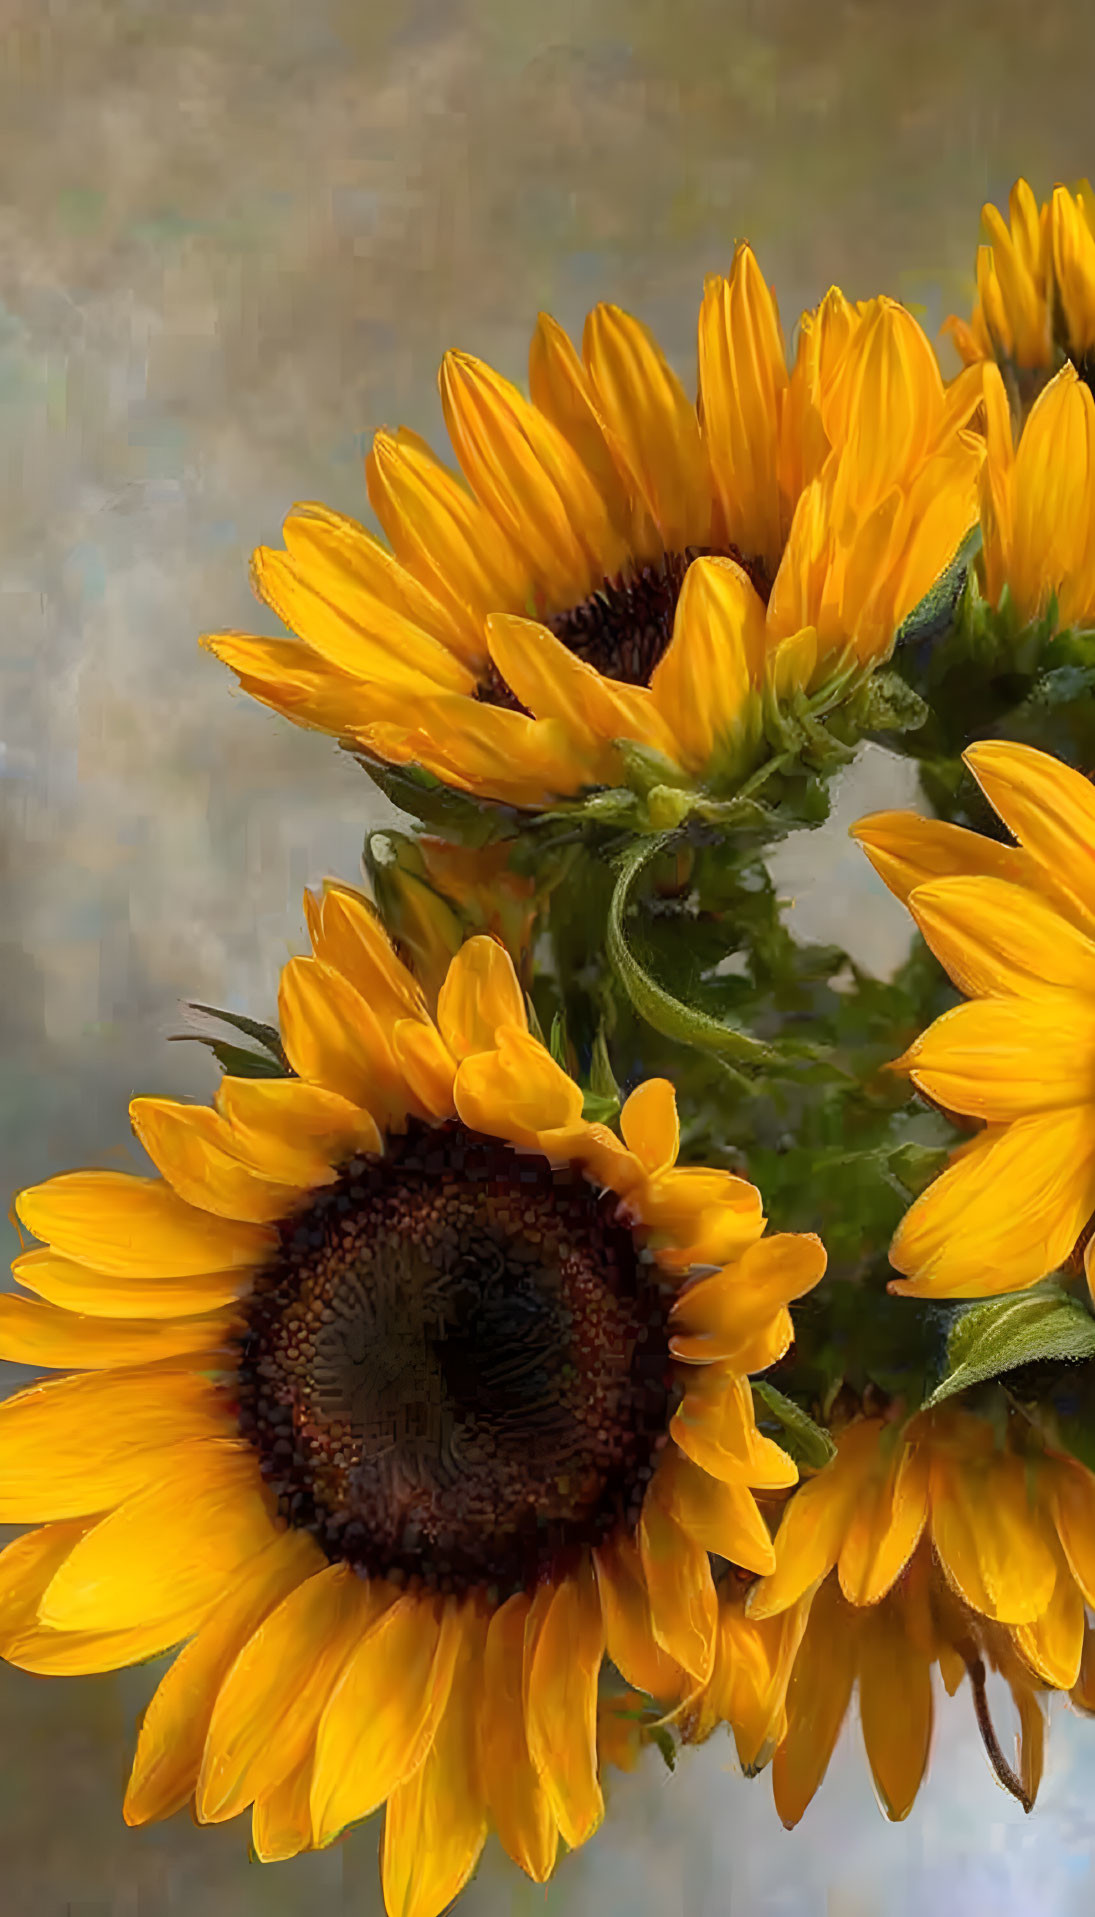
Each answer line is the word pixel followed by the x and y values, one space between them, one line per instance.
pixel 234 238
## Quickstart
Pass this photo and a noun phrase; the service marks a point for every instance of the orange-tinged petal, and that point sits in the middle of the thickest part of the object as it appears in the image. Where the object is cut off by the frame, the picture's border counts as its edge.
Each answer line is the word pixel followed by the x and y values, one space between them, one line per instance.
pixel 384 1711
pixel 990 1539
pixel 561 389
pixel 683 1604
pixel 75 1288
pixel 650 1125
pixel 518 1802
pixel 191 1147
pixel 561 1713
pixel 81 1444
pixel 174 1728
pixel 293 680
pixel 346 564
pixel 997 938
pixel 267 1709
pixel 349 936
pixel 1073 1507
pixel 1053 1644
pixel 1049 807
pixel 481 996
pixel 33 1333
pixel 895 1707
pixel 556 684
pixel 817 1700
pixel 172 1548
pixel 26 1569
pixel 908 851
pixel 653 423
pixel 715 1426
pixel 435 1824
pixel 629 1631
pixel 1005 1212
pixel 517 1090
pixel 126 1227
pixel 743 376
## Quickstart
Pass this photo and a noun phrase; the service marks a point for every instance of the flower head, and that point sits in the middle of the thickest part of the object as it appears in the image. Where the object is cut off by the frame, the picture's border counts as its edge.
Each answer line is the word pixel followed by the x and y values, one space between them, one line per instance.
pixel 402 1395
pixel 1038 501
pixel 1035 284
pixel 1015 928
pixel 940 1541
pixel 616 546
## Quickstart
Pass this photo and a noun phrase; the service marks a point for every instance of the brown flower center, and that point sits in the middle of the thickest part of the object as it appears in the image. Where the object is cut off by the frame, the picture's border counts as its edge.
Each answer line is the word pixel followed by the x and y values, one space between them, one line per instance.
pixel 624 629
pixel 456 1369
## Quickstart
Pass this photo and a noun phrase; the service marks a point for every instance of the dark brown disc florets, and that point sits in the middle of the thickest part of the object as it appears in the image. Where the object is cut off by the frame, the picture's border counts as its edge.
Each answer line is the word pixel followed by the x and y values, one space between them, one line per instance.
pixel 625 627
pixel 456 1369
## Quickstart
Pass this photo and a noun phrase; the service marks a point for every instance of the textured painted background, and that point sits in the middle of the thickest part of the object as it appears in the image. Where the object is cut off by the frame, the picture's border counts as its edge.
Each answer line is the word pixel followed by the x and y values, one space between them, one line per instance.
pixel 234 238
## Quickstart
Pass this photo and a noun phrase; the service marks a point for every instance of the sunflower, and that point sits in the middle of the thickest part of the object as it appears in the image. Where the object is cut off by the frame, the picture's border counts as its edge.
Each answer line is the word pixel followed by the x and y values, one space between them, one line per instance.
pixel 1035 286
pixel 516 630
pixel 1015 928
pixel 939 1541
pixel 1038 501
pixel 402 1395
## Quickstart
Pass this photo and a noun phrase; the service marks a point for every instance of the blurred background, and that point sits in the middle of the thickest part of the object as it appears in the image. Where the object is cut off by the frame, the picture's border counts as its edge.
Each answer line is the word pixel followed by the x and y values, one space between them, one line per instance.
pixel 234 239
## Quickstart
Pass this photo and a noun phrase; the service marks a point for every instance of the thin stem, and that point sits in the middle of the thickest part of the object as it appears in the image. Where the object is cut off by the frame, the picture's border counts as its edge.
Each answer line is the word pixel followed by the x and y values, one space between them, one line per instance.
pixel 976 1667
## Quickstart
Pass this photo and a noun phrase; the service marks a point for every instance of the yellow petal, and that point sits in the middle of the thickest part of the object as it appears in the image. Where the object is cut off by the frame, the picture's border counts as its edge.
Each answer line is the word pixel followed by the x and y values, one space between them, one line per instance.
pixel 715 1426
pixel 907 851
pixel 191 1146
pixel 426 1064
pixel 169 1550
pixel 530 480
pixel 1001 1059
pixel 519 1804
pixel 683 1605
pixel 884 1526
pixel 1005 1212
pixel 817 1700
pixel 717 644
pixel 267 1709
pixel 653 423
pixel 81 1444
pixel 349 936
pixel 714 1317
pixel 1073 1507
pixel 561 389
pixel 363 637
pixel 718 1513
pixel 990 1539
pixel 75 1288
pixel 556 684
pixel 32 1333
pixel 175 1725
pixel 383 1714
pixel 435 1824
pixel 26 1569
pixel 281 1819
pixel 629 1631
pixel 517 1090
pixel 345 563
pixel 815 1521
pixel 895 1707
pixel 480 997
pixel 1053 1644
pixel 743 375
pixel 1049 807
pixel 698 1215
pixel 998 938
pixel 561 1714
pixel 332 1037
pixel 294 680
pixel 650 1125
pixel 292 1130
pixel 126 1227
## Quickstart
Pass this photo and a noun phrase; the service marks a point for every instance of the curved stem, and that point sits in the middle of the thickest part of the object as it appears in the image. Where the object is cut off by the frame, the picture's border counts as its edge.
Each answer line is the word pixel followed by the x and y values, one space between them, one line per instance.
pixel 975 1665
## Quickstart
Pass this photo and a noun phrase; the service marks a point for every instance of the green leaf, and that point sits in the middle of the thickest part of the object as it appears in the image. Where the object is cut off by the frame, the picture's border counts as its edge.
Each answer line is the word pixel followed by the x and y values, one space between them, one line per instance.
pixel 661 1738
pixel 667 1014
pixel 557 1044
pixel 1003 1333
pixel 937 609
pixel 602 1079
pixel 236 1060
pixel 807 1442
pixel 267 1036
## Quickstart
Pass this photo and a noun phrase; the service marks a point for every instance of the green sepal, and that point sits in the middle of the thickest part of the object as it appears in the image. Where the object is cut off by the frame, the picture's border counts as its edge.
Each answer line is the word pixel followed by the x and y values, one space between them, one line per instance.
pixel 668 1015
pixel 806 1442
pixel 431 802
pixel 1004 1333
pixel 887 703
pixel 936 612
